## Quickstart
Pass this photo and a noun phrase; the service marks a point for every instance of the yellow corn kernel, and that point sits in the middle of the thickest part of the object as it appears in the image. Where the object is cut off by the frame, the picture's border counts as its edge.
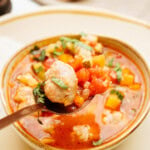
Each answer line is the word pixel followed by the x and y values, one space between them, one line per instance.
pixel 135 86
pixel 78 101
pixel 47 140
pixel 65 58
pixel 99 60
pixel 127 79
pixel 113 102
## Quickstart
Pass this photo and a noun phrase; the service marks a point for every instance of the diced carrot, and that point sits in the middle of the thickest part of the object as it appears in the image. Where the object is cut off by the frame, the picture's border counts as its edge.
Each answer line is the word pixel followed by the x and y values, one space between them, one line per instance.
pixel 113 102
pixel 135 86
pixel 127 79
pixel 98 86
pixel 99 60
pixel 65 58
pixel 83 75
pixel 96 72
pixel 78 101
pixel 76 63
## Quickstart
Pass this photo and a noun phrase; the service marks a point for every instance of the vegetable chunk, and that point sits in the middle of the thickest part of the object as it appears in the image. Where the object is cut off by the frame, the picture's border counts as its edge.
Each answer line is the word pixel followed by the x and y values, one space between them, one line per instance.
pixel 27 79
pixel 113 102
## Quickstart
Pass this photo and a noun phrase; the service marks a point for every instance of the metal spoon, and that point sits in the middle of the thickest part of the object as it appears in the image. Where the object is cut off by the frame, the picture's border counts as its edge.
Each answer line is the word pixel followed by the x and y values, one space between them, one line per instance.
pixel 48 106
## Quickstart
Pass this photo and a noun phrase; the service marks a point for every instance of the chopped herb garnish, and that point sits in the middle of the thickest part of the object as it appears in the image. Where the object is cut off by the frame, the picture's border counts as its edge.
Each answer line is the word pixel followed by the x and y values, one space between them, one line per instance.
pixel 39 69
pixel 118 71
pixel 119 94
pixel 59 82
pixel 38 93
pixel 57 53
pixel 34 50
pixel 110 62
pixel 38 119
pixel 80 44
pixel 64 40
pixel 41 57
pixel 96 143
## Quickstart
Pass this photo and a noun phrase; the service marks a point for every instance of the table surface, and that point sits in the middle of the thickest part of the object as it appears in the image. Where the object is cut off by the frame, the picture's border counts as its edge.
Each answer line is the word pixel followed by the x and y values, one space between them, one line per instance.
pixel 134 8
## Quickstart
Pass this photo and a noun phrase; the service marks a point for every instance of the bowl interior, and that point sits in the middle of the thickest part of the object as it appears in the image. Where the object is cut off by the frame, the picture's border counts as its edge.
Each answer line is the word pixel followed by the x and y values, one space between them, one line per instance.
pixel 116 44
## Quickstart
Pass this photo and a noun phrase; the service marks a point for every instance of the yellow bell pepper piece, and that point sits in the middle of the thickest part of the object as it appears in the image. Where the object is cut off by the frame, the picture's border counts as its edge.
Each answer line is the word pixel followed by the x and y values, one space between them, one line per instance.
pixel 65 58
pixel 113 102
pixel 127 79
pixel 99 60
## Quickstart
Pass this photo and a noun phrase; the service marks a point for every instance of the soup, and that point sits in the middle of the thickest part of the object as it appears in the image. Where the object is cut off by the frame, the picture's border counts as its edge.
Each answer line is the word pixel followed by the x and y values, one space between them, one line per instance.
pixel 107 79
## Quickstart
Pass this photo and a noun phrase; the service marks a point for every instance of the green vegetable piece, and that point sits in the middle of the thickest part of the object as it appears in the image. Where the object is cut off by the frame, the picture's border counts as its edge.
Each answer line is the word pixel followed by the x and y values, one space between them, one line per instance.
pixel 41 57
pixel 80 44
pixel 64 40
pixel 118 71
pixel 57 53
pixel 34 50
pixel 119 94
pixel 39 94
pixel 59 82
pixel 110 62
pixel 96 143
pixel 39 121
pixel 39 69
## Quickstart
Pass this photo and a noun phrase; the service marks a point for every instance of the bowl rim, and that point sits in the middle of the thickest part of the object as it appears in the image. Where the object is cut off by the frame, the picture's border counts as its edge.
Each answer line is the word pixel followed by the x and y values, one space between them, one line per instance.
pixel 115 140
pixel 75 10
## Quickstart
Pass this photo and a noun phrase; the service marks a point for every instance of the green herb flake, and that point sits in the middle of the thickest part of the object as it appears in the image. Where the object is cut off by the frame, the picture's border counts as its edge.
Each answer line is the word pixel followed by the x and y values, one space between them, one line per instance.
pixel 119 94
pixel 59 82
pixel 64 40
pixel 118 71
pixel 80 44
pixel 34 50
pixel 110 62
pixel 96 143
pixel 56 53
pixel 39 94
pixel 39 69
pixel 41 57
pixel 38 119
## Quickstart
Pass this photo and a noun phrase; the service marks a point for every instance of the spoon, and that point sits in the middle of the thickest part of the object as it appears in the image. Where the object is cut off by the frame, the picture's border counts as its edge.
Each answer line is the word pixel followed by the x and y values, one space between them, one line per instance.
pixel 48 106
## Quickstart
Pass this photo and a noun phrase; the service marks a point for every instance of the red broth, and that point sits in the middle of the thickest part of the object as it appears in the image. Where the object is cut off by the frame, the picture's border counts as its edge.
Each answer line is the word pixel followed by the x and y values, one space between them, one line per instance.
pixel 115 88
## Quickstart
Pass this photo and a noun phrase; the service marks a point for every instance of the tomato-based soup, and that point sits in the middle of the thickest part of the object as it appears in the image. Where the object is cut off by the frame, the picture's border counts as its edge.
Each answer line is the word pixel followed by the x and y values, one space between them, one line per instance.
pixel 111 83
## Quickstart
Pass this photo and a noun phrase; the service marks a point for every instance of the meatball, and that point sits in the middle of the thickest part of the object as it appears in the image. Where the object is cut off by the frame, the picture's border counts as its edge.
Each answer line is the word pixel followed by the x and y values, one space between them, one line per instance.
pixel 66 74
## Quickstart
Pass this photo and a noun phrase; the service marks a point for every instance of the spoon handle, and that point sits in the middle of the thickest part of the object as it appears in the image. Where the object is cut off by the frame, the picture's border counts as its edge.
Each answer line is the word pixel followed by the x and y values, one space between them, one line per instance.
pixel 19 114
